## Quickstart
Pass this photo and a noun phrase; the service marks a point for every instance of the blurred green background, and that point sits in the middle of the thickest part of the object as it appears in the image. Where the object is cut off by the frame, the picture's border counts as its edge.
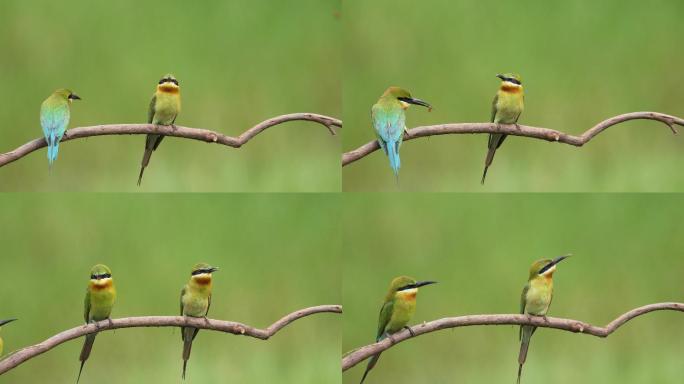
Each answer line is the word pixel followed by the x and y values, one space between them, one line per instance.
pixel 239 62
pixel 581 62
pixel 627 253
pixel 272 263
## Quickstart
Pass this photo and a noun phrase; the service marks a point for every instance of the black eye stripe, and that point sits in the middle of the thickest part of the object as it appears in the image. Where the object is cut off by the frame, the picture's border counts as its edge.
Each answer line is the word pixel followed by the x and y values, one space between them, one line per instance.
pixel 101 276
pixel 512 80
pixel 162 81
pixel 201 271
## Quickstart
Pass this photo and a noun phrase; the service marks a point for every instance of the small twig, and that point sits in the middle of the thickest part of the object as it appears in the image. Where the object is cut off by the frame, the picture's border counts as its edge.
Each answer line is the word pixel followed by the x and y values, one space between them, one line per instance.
pixel 235 328
pixel 516 130
pixel 176 131
pixel 358 355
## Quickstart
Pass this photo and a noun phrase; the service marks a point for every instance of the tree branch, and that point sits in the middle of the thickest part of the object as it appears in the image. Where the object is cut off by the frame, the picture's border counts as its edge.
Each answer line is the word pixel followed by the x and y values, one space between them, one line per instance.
pixel 175 131
pixel 356 356
pixel 517 130
pixel 235 328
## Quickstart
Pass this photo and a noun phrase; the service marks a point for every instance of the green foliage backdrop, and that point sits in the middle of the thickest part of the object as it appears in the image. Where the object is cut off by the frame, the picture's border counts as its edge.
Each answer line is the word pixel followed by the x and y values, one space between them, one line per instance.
pixel 270 262
pixel 238 63
pixel 627 253
pixel 581 62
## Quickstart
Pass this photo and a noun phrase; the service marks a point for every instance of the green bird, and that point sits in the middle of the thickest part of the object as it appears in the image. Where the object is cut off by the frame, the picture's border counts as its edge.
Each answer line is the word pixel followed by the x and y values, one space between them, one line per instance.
pixel 389 121
pixel 396 312
pixel 507 106
pixel 3 322
pixel 99 300
pixel 54 119
pixel 195 300
pixel 164 108
pixel 535 300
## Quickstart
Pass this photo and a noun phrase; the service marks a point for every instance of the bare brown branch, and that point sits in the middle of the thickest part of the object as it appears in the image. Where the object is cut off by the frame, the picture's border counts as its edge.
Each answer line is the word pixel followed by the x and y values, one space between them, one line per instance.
pixel 517 130
pixel 175 131
pixel 235 328
pixel 358 355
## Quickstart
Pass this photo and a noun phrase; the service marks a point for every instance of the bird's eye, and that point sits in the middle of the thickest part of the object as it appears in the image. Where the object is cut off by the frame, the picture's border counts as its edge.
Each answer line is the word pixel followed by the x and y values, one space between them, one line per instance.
pixel 93 277
pixel 174 81
pixel 161 81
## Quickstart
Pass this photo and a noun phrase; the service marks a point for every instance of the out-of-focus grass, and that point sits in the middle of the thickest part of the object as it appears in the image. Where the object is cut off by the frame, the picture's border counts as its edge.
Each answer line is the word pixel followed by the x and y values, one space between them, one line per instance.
pixel 238 63
pixel 272 263
pixel 581 62
pixel 627 253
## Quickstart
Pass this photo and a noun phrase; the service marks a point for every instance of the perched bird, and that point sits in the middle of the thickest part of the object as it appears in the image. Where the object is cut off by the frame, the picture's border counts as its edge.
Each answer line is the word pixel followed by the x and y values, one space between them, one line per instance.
pixel 389 122
pixel 535 300
pixel 396 312
pixel 507 106
pixel 3 322
pixel 99 300
pixel 195 301
pixel 54 118
pixel 164 109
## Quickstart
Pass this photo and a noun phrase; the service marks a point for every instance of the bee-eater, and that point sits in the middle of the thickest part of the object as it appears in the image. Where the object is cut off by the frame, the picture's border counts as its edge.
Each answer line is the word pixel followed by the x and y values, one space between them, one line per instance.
pixel 54 118
pixel 195 301
pixel 535 300
pixel 389 122
pixel 3 322
pixel 507 106
pixel 396 312
pixel 164 108
pixel 99 300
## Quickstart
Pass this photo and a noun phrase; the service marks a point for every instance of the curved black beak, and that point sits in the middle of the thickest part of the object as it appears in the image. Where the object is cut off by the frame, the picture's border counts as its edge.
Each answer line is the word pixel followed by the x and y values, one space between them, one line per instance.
pixel 423 283
pixel 500 76
pixel 554 262
pixel 74 96
pixel 3 322
pixel 213 269
pixel 411 100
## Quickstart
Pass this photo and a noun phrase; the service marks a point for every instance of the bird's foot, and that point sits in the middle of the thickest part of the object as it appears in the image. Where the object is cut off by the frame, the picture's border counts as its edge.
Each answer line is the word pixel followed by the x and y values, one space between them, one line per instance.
pixel 391 339
pixel 206 320
pixel 410 330
pixel 110 322
pixel 517 126
pixel 406 133
pixel 173 126
pixel 546 319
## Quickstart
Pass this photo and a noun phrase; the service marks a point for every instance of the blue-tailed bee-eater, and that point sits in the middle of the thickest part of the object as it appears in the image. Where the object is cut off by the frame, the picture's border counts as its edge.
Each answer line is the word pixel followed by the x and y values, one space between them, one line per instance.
pixel 164 108
pixel 396 311
pixel 507 106
pixel 54 118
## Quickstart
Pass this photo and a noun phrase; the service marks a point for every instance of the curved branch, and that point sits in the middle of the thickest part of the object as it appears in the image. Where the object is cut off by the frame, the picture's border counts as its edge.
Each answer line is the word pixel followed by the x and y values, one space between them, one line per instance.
pixel 235 328
pixel 358 355
pixel 176 131
pixel 517 130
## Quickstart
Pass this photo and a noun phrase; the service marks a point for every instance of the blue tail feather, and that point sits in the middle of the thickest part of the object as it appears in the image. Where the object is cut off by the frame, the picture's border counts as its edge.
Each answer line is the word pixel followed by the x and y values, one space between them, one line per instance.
pixel 393 154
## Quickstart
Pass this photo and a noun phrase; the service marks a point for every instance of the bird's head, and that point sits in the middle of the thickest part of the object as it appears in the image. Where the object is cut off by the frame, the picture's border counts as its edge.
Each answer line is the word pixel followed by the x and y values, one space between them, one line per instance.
pixel 100 276
pixel 510 81
pixel 168 83
pixel 545 267
pixel 201 273
pixel 404 97
pixel 404 286
pixel 67 95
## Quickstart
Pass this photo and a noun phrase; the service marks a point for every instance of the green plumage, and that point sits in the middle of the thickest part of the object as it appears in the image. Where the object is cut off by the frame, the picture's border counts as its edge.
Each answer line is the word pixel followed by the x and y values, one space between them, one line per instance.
pixel 507 106
pixel 3 322
pixel 163 110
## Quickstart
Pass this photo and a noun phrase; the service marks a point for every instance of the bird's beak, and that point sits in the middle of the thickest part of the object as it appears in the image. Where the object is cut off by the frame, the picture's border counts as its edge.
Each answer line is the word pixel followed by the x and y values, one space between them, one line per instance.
pixel 3 322
pixel 74 96
pixel 500 76
pixel 213 269
pixel 560 258
pixel 423 283
pixel 411 100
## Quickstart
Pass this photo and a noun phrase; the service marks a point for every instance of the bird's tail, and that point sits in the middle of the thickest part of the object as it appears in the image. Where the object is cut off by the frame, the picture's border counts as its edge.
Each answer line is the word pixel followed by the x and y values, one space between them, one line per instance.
pixel 85 352
pixel 53 147
pixel 189 334
pixel 393 154
pixel 371 363
pixel 495 141
pixel 525 337
pixel 151 143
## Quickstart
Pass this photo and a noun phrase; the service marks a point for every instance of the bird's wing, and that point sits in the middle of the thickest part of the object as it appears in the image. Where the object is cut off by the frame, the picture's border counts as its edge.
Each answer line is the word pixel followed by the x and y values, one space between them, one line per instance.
pixel 181 300
pixel 150 111
pixel 496 99
pixel 54 119
pixel 86 306
pixel 208 306
pixel 388 124
pixel 384 318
